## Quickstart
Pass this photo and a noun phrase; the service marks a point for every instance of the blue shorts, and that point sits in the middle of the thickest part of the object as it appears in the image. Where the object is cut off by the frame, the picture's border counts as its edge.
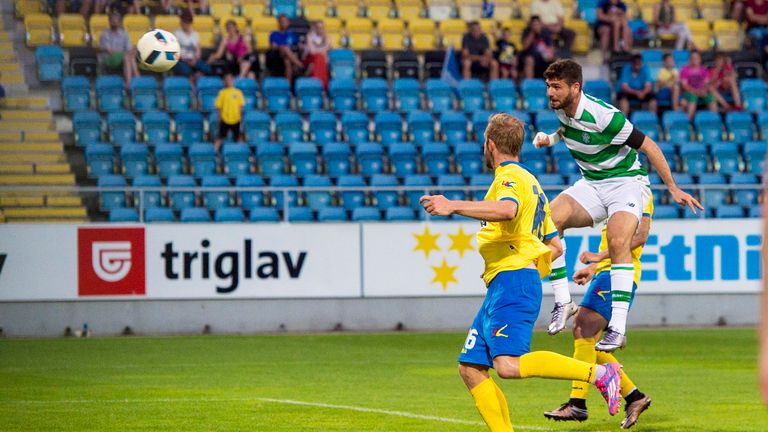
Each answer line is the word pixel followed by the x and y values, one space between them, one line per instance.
pixel 598 295
pixel 504 323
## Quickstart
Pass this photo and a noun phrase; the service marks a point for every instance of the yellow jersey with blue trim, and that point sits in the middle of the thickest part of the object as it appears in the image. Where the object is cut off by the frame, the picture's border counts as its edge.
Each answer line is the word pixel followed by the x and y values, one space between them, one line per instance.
pixel 605 264
pixel 519 242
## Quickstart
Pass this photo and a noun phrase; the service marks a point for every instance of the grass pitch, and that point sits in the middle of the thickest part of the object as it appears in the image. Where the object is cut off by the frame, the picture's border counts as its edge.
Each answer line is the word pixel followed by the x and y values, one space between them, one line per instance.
pixel 700 380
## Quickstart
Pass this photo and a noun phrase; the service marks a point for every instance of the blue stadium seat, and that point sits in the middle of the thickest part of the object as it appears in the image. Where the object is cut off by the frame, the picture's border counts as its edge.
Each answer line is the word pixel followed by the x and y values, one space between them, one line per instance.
pixel 229 215
pixel 184 198
pixel 249 199
pixel 156 126
pixel 214 199
pixel 469 158
pixel 123 215
pixel 279 196
pixel 436 158
pixel 713 197
pixel 547 121
pixel 300 214
pixel 159 215
pixel 756 211
pixel 303 158
pixel 257 126
pixel 399 214
pixel 385 198
pixel 100 159
pixel 135 160
pixel 741 126
pixel 534 92
pixel 111 199
pixel 452 180
pixel 309 94
pixel 402 157
pixel 110 93
pixel 195 215
pixel 597 88
pixel 264 214
pixel 189 127
pixel 121 127
pixel 563 161
pixel 389 127
pixel 479 123
pixel 695 158
pixel 237 159
pixel 375 94
pixel 471 95
pixel 178 94
pixel 503 94
pixel 352 199
pixel 425 184
pixel 50 63
pixel 288 8
pixel 729 212
pixel 725 158
pixel 337 158
pixel 666 211
pixel 208 88
pixel 147 198
pixel 169 160
pixel 277 93
pixel 323 127
pixel 762 124
pixel 440 96
pixel 421 126
pixel 289 127
pixel 366 214
pixel 250 89
pixel 202 159
pixel 332 214
pixel 652 58
pixel 342 64
pixel 343 94
pixel 453 125
pixel 754 156
pixel 535 159
pixel 754 93
pixel 745 197
pixel 407 92
pixel 318 199
pixel 144 93
pixel 355 126
pixel 482 182
pixel 87 127
pixel 709 126
pixel 676 126
pixel 270 158
pixel 76 93
pixel 647 122
pixel 681 57
pixel 552 184
pixel 670 153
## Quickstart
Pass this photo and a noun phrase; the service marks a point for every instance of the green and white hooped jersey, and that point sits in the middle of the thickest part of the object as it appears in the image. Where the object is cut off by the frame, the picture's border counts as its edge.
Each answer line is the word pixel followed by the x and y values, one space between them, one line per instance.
pixel 602 140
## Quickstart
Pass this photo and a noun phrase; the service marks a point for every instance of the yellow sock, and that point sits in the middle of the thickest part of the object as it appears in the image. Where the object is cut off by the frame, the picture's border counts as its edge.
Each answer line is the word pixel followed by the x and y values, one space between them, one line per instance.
pixel 584 350
pixel 626 384
pixel 492 404
pixel 546 364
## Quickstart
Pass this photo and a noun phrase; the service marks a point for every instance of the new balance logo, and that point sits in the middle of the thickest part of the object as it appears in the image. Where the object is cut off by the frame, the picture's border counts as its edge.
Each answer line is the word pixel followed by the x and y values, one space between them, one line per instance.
pixel 111 260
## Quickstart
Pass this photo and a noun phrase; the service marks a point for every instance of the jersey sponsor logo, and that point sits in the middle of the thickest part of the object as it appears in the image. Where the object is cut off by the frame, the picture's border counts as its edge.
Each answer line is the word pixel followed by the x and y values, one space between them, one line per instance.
pixel 510 184
pixel 111 261
pixel 498 332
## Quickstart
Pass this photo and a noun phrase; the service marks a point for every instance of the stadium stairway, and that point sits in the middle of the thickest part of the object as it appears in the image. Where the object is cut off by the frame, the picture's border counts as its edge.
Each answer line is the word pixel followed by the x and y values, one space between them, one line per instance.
pixel 31 150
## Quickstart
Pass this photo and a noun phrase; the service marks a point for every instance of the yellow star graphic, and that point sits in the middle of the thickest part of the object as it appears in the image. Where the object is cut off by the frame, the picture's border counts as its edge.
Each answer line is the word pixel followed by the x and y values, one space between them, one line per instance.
pixel 426 242
pixel 444 274
pixel 461 242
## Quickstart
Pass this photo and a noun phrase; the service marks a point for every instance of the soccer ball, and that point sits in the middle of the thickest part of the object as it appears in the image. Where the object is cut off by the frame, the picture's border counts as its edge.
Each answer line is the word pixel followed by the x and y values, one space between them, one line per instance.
pixel 158 51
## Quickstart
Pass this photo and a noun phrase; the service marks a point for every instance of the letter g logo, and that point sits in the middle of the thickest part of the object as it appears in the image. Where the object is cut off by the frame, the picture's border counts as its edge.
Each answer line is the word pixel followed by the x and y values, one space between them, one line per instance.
pixel 111 260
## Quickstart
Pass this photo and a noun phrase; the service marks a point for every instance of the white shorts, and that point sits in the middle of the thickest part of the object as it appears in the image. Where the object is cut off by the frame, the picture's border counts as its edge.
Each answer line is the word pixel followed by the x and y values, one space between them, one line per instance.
pixel 602 198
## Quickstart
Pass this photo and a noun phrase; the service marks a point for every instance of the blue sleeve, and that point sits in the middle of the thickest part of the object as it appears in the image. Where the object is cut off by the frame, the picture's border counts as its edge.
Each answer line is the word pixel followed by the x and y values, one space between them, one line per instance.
pixel 273 38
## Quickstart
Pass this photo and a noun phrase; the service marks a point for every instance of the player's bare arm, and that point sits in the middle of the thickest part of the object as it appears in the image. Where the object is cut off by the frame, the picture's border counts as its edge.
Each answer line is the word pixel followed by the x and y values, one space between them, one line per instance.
pixel 556 246
pixel 659 162
pixel 491 211
pixel 582 276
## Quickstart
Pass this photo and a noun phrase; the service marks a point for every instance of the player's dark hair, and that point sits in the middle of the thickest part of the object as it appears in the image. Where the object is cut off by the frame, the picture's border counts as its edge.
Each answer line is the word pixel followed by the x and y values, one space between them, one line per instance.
pixel 565 70
pixel 506 132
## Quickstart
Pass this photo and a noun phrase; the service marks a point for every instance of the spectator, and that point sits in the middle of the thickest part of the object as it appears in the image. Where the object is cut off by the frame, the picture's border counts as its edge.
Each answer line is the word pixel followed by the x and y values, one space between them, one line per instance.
pixel 476 55
pixel 538 50
pixel 735 9
pixel 316 52
pixel 613 26
pixel 118 52
pixel 202 5
pixel 694 82
pixel 552 16
pixel 284 46
pixel 506 55
pixel 236 52
pixel 723 79
pixel 190 63
pixel 118 6
pixel 664 20
pixel 668 82
pixel 83 7
pixel 635 86
pixel 230 103
pixel 757 20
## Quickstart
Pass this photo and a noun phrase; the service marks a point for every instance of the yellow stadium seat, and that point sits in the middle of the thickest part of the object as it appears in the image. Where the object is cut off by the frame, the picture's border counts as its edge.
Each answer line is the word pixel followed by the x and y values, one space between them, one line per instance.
pixel 72 30
pixel 169 23
pixel 702 36
pixel 206 28
pixel 516 27
pixel 504 10
pixel 452 31
pixel 684 9
pixel 39 29
pixel 470 10
pixel 583 41
pixel 261 27
pixel 728 35
pixel 136 26
pixel 490 27
pixel 97 24
pixel 422 32
pixel 408 10
pixel 360 33
pixel 378 9
pixel 315 9
pixel 334 28
pixel 220 8
pixel 346 9
pixel 26 7
pixel 252 8
pixel 711 10
pixel 392 33
pixel 645 7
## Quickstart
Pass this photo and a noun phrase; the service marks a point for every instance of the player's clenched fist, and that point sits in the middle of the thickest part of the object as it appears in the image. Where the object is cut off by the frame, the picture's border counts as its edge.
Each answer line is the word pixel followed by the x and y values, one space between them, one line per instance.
pixel 546 140
pixel 436 205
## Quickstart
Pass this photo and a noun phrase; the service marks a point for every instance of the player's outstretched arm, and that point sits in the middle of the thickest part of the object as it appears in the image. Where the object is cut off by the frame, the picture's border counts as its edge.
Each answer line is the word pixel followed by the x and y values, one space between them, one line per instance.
pixel 491 211
pixel 659 163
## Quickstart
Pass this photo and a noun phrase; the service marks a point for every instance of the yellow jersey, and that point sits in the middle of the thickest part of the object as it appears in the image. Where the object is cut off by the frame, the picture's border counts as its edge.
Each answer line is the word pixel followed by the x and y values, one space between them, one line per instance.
pixel 605 265
pixel 230 103
pixel 517 243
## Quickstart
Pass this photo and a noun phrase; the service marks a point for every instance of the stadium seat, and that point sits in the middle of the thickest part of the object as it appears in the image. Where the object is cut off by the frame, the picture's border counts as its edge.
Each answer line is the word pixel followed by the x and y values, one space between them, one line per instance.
pixel 407 93
pixel 343 94
pixel 389 127
pixel 97 23
pixel 597 88
pixel 237 159
pixel 385 198
pixel 373 63
pixel 753 92
pixel 552 184
pixel 257 126
pixel 178 94
pixel 709 126
pixel 38 28
pixel 270 159
pixel 370 158
pixel 76 93
pixel 534 92
pixel 744 195
pixel 147 198
pixel 156 127
pixel 741 126
pixel 547 121
pixel 729 211
pixel 366 214
pixel 123 215
pixel 136 25
pixel 469 159
pixel 179 199
pixel 754 157
pixel 563 161
pixel 50 63
pixel 194 215
pixel 391 33
pixel 112 198
pixel 264 214
pixel 417 181
pixel 452 31
pixel 332 214
pixel 711 196
pixel 337 158
pixel 359 32
pixel 172 23
pixel 99 159
pixel 228 215
pixel 214 199
pixel 314 9
pixel 421 126
pixel 288 8
pixel 208 88
pixel 250 89
pixel 121 127
pixel 452 181
pixel 756 212
pixel 303 158
pixel 479 123
pixel 405 64
pixel 434 63
pixel 135 160
pixel 309 94
pixel 647 122
pixel 342 64
pixel 353 198
pixel 144 93
pixel 453 125
pixel 202 159
pixel 169 160
pixel 728 35
pixel 110 92
pixel 86 126
pixel 159 215
pixel 399 214
pixel 725 158
pixel 700 33
pixel 422 34
pixel 249 199
pixel 666 211
pixel 676 126
pixel 695 158
pixel 279 196
pixel 323 127
pixel 581 27
pixel 277 93
pixel 261 27
pixel 440 96
pixel 374 94
pixel 189 127
pixel 535 159
pixel 711 10
pixel 481 183
pixel 289 127
pixel 318 199
pixel 402 157
pixel 300 214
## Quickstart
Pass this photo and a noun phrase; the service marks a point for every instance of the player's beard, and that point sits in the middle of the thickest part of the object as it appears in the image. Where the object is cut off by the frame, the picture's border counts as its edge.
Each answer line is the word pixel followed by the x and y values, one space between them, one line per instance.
pixel 487 156
pixel 565 104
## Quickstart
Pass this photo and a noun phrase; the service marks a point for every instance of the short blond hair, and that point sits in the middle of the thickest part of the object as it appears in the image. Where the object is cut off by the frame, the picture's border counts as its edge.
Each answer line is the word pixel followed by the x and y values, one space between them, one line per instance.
pixel 506 132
